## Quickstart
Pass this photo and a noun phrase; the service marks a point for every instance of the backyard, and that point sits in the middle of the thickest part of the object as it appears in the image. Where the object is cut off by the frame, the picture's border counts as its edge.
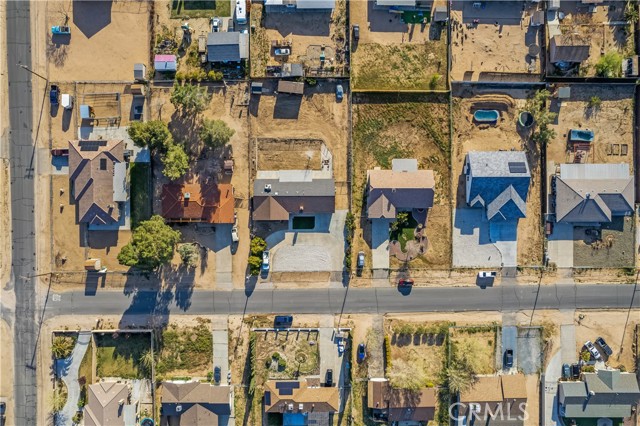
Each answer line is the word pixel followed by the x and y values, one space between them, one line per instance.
pixel 120 354
pixel 186 351
pixel 200 8
pixel 140 177
pixel 612 247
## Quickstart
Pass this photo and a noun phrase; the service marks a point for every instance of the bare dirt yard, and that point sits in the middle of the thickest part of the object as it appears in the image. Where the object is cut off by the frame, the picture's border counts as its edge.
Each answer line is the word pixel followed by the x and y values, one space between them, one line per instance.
pixel 388 127
pixel 505 135
pixel 393 55
pixel 316 116
pixel 106 39
pixel 612 248
pixel 6 377
pixel 475 346
pixel 494 40
pixel 306 34
pixel 5 221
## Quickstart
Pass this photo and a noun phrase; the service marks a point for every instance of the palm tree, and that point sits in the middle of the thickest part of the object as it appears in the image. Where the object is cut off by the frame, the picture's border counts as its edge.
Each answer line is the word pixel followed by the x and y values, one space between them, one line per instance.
pixel 458 379
pixel 146 361
pixel 62 347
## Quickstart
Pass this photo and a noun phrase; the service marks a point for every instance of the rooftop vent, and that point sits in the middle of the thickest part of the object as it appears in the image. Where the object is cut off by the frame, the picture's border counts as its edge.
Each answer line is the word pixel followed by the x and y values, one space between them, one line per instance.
pixel 187 195
pixel 267 187
pixel 290 407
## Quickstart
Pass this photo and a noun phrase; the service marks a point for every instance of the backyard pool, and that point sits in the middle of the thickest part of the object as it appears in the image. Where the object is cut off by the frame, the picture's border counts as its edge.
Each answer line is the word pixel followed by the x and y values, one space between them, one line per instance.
pixel 486 115
pixel 577 135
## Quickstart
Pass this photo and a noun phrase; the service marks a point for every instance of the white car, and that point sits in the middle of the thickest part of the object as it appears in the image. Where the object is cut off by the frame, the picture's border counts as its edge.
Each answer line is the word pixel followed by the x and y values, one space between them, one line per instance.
pixel 594 352
pixel 234 235
pixel 487 274
pixel 265 261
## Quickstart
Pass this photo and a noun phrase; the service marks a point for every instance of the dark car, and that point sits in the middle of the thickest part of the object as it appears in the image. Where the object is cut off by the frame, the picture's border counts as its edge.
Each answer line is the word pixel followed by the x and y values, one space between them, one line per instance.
pixel 54 94
pixel 405 282
pixel 566 371
pixel 508 358
pixel 575 371
pixel 216 375
pixel 360 263
pixel 283 321
pixel 362 352
pixel 606 348
pixel 328 381
pixel 356 32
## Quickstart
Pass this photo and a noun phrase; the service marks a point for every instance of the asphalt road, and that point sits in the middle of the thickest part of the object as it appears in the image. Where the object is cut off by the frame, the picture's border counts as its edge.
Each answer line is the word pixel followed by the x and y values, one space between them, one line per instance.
pixel 22 214
pixel 369 300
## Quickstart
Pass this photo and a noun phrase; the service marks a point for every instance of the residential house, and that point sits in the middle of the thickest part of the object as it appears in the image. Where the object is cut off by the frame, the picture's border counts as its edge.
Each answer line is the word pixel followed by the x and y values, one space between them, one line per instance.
pixel 195 404
pixel 165 63
pixel 108 405
pixel 403 188
pixel 608 394
pixel 98 175
pixel 568 48
pixel 495 400
pixel 301 402
pixel 227 47
pixel 498 181
pixel 388 404
pixel 280 6
pixel 592 194
pixel 198 202
pixel 278 195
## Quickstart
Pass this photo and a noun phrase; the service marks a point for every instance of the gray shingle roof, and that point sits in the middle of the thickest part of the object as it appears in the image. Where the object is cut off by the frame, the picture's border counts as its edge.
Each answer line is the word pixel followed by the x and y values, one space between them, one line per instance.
pixel 496 163
pixel 507 205
pixel 227 46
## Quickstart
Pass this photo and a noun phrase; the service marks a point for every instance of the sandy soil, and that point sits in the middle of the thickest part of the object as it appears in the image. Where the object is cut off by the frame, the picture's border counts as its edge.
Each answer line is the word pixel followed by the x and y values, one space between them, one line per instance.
pixel 533 400
pixel 99 33
pixel 611 122
pixel 469 136
pixel 487 48
pixel 5 222
pixel 316 115
pixel 289 155
pixel 6 373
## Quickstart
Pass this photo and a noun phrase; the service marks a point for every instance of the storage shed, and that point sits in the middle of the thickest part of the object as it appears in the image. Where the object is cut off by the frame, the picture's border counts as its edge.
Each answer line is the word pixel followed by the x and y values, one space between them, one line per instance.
pixel 292 87
pixel 165 63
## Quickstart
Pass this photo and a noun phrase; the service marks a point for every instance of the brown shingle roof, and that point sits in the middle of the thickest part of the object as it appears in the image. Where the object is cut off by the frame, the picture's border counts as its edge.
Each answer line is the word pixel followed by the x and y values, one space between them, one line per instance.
pixel 402 404
pixel 194 392
pixel 103 404
pixel 194 403
pixel 313 399
pixel 485 389
pixel 391 190
pixel 514 387
pixel 208 203
pixel 91 171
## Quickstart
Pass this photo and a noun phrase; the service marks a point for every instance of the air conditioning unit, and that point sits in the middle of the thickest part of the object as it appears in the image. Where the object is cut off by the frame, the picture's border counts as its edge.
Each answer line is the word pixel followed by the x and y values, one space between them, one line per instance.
pixel 178 408
pixel 475 408
pixel 290 407
pixel 300 407
pixel 187 195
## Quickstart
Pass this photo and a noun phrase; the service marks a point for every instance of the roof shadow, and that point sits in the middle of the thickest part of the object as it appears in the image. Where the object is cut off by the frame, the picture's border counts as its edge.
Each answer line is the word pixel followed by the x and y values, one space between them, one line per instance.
pixel 91 16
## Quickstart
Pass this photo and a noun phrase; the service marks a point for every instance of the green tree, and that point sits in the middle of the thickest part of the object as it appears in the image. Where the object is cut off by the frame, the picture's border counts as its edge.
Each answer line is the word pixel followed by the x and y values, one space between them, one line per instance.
pixel 153 134
pixel 152 244
pixel 258 245
pixel 402 218
pixel 631 12
pixel 62 346
pixel 254 264
pixel 189 253
pixel 595 102
pixel 146 361
pixel 610 65
pixel 215 133
pixel 542 133
pixel 585 355
pixel 458 379
pixel 189 98
pixel 175 162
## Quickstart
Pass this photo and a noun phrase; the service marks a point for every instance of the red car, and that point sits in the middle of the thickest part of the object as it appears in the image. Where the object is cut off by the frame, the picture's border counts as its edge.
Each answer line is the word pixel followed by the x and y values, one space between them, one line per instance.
pixel 405 282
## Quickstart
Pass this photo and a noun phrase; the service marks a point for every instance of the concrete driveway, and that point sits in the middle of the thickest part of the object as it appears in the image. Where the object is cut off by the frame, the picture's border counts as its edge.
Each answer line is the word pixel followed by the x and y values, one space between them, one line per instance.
pixel 220 333
pixel 561 245
pixel 224 258
pixel 68 372
pixel 505 237
pixel 551 377
pixel 529 353
pixel 510 341
pixel 380 243
pixel 472 245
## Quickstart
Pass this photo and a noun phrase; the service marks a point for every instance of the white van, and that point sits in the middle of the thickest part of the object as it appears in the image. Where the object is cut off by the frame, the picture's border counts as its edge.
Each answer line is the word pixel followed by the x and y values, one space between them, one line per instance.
pixel 241 12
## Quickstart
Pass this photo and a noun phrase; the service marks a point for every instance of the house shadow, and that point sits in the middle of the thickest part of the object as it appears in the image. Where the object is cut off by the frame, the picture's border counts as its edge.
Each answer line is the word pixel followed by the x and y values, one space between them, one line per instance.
pixel 380 20
pixel 287 107
pixel 102 240
pixel 92 281
pixel 91 16
pixel 316 24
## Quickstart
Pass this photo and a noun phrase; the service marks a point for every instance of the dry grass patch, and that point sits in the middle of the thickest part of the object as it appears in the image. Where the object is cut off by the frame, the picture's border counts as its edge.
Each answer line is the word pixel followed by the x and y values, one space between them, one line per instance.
pixel 474 348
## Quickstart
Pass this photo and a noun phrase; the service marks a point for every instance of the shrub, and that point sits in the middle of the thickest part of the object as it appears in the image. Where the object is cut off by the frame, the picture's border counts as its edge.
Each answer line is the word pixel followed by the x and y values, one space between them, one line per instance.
pixel 585 355
pixel 387 353
pixel 434 81
pixel 610 65
pixel 189 253
pixel 254 264
pixel 258 245
pixel 77 417
pixel 595 102
pixel 62 346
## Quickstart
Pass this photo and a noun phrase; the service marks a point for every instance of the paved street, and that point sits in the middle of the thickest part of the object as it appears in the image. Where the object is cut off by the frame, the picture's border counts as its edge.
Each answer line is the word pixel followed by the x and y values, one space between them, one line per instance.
pixel 355 300
pixel 22 209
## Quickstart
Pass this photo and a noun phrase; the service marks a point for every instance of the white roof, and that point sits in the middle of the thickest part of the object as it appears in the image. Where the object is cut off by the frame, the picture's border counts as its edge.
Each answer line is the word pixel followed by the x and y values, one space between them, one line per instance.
pixel 315 4
pixel 119 181
pixel 594 171
pixel 404 165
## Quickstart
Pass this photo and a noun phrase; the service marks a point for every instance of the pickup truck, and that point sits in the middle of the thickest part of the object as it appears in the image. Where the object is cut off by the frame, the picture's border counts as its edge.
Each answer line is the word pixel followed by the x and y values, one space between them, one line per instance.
pixel 60 29
pixel 606 348
pixel 54 94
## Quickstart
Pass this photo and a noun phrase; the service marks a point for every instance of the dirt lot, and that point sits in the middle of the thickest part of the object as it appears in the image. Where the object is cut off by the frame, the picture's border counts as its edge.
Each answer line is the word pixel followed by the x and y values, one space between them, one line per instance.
pixel 613 249
pixel 484 48
pixel 416 128
pixel 186 351
pixel 469 136
pixel 393 55
pixel 595 26
pixel 279 154
pixel 477 345
pixel 5 222
pixel 99 32
pixel 314 116
pixel 306 34
pixel 611 122
pixel 6 376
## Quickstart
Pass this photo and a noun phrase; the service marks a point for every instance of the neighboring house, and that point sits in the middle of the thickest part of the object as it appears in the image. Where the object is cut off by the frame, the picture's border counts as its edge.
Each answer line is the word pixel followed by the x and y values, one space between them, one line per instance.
pixel 195 404
pixel 592 194
pixel 403 188
pixel 495 400
pixel 227 46
pixel 279 6
pixel 498 181
pixel 277 195
pixel 568 48
pixel 301 402
pixel 389 404
pixel 604 394
pixel 108 405
pixel 165 63
pixel 198 202
pixel 98 175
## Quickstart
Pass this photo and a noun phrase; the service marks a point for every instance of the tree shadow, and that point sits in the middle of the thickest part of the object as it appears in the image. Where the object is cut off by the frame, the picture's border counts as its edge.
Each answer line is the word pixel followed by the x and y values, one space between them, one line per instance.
pixel 57 52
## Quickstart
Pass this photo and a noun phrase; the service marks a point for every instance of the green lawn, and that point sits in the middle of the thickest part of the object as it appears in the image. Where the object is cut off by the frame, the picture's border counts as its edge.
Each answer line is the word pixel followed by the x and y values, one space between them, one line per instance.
pixel 404 234
pixel 119 356
pixel 200 8
pixel 140 176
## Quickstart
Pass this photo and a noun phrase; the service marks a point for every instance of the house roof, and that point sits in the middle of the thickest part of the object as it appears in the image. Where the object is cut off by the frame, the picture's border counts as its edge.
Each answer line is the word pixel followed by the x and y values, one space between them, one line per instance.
pixel 498 164
pixel 103 404
pixel 199 403
pixel 514 386
pixel 569 48
pixel 593 192
pixel 485 389
pixel 207 202
pixel 402 404
pixel 507 206
pixel 279 394
pixel 295 87
pixel 315 4
pixel 227 46
pixel 391 190
pixel 92 170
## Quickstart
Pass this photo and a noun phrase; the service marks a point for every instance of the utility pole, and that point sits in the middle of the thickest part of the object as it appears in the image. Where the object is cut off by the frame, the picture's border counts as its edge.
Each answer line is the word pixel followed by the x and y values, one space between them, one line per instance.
pixel 33 72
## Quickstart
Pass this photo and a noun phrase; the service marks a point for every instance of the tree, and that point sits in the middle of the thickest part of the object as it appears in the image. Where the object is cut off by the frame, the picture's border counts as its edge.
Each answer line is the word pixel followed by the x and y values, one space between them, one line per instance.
pixel 62 346
pixel 215 133
pixel 176 162
pixel 258 245
pixel 537 106
pixel 152 244
pixel 190 98
pixel 153 134
pixel 402 218
pixel 254 264
pixel 631 13
pixel 146 361
pixel 189 253
pixel 610 65
pixel 458 379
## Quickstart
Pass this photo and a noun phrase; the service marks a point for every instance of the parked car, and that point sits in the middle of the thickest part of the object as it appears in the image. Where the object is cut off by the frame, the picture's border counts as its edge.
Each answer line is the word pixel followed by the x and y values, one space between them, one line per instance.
pixel 362 352
pixel 606 348
pixel 54 94
pixel 216 374
pixel 265 261
pixel 215 25
pixel 566 371
pixel 356 32
pixel 508 358
pixel 328 381
pixel 339 92
pixel 405 282
pixel 487 274
pixel 285 51
pixel 67 101
pixel 360 263
pixel 594 352
pixel 230 25
pixel 575 371
pixel 283 321
pixel 60 30
pixel 234 235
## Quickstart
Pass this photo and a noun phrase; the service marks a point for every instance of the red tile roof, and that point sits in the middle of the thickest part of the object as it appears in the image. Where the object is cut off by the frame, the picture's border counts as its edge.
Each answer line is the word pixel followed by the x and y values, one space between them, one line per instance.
pixel 209 203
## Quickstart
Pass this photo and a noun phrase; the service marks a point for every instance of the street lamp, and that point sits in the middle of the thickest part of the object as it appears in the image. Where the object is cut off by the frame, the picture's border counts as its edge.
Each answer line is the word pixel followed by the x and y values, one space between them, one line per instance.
pixel 32 72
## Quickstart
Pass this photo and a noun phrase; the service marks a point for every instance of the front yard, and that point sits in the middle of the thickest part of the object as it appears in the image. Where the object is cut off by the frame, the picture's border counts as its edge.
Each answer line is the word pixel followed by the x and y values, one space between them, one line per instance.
pixel 121 355
pixel 186 351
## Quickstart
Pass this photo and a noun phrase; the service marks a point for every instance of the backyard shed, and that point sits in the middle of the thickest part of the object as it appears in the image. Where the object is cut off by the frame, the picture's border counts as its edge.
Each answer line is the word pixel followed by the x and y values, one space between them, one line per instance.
pixel 256 88
pixel 440 14
pixel 139 72
pixel 292 87
pixel 165 63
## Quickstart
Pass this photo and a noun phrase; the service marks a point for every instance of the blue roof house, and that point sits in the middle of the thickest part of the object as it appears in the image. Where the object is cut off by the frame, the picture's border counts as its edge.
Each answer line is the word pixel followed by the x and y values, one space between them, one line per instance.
pixel 498 181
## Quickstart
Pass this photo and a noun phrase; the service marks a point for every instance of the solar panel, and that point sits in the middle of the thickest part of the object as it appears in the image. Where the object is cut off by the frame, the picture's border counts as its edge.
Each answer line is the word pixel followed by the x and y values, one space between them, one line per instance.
pixel 286 391
pixel 287 385
pixel 517 167
pixel 267 398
